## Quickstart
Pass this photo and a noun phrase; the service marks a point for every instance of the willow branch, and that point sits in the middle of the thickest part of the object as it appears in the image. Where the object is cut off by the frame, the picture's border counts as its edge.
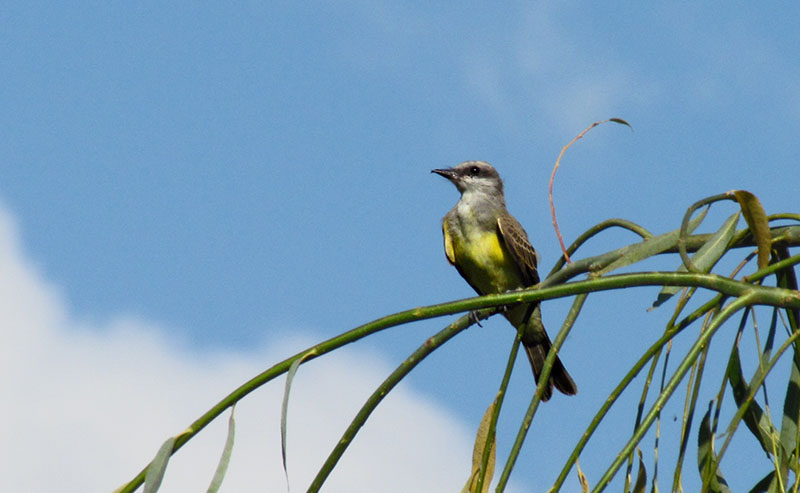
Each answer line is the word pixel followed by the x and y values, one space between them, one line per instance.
pixel 383 390
pixel 746 299
pixel 762 294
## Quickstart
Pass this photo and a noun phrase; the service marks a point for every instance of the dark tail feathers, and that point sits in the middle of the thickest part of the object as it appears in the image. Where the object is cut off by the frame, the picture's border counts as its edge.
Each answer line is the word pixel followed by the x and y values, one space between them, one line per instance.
pixel 559 377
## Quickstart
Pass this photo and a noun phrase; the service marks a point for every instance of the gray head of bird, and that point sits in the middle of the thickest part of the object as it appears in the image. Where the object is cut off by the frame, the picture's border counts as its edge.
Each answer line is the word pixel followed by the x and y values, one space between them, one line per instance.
pixel 473 176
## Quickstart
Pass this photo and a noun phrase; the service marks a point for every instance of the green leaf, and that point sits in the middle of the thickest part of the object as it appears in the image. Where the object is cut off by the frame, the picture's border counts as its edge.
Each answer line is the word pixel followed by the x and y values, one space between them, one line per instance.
pixel 765 484
pixel 225 459
pixel 285 405
pixel 706 257
pixel 756 219
pixel 477 454
pixel 642 250
pixel 157 467
pixel 787 278
pixel 790 435
pixel 791 412
pixel 713 481
pixel 755 419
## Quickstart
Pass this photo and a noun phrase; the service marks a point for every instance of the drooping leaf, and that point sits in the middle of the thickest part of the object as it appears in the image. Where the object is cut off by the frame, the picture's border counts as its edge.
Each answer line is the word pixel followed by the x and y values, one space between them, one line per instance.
pixel 766 484
pixel 756 219
pixel 791 411
pixel 285 405
pixel 755 419
pixel 710 473
pixel 477 454
pixel 790 432
pixel 621 122
pixel 766 353
pixel 225 459
pixel 641 476
pixel 706 257
pixel 653 246
pixel 582 479
pixel 158 466
pixel 787 278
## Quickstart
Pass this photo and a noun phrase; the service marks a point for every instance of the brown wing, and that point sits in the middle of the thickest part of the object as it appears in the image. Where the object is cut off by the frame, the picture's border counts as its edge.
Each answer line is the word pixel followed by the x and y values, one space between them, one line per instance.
pixel 521 250
pixel 535 339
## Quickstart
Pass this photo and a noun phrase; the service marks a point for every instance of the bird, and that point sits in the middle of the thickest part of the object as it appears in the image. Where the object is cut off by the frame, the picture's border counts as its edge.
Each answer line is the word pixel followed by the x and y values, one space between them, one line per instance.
pixel 491 251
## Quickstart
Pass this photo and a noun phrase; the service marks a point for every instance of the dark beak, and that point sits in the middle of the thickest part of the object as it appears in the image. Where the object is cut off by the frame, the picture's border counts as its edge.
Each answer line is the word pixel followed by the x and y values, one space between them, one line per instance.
pixel 447 173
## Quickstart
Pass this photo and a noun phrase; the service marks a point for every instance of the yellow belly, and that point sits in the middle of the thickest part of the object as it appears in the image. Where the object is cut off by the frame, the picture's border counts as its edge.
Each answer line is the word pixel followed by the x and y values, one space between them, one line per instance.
pixel 485 262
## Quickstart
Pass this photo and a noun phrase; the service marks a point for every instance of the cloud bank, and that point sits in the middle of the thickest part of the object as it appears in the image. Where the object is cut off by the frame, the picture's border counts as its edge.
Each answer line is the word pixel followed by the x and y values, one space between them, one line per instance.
pixel 86 405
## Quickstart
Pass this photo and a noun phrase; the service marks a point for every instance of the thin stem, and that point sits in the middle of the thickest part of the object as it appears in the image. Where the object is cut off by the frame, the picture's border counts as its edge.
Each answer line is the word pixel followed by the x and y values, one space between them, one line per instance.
pixel 553 176
pixel 309 354
pixel 569 321
pixel 597 228
pixel 685 224
pixel 512 358
pixel 785 298
pixel 682 302
pixel 384 388
pixel 688 414
pixel 784 235
pixel 785 215
pixel 754 387
pixel 772 268
pixel 654 349
pixel 724 314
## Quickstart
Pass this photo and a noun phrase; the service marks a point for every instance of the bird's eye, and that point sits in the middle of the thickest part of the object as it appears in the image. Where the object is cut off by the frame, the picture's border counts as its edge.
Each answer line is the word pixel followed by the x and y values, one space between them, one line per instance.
pixel 474 171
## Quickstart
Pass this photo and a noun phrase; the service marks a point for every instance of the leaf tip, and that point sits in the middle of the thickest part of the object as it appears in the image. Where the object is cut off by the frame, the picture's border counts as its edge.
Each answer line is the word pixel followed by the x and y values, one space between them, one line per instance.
pixel 621 122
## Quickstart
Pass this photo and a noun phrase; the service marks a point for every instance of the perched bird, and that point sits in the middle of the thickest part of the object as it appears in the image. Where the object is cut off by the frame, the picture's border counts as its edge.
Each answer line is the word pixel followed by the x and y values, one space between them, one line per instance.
pixel 492 252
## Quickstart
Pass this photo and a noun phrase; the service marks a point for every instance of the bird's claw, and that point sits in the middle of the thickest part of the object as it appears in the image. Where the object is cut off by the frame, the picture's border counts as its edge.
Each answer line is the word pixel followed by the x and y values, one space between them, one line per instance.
pixel 473 314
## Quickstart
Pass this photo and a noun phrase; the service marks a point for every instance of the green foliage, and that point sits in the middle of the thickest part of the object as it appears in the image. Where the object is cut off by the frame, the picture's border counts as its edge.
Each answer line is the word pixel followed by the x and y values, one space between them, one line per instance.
pixel 731 295
pixel 225 458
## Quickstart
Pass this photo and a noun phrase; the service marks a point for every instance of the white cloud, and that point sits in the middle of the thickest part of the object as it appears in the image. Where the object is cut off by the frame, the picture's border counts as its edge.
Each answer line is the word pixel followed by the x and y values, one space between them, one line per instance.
pixel 85 407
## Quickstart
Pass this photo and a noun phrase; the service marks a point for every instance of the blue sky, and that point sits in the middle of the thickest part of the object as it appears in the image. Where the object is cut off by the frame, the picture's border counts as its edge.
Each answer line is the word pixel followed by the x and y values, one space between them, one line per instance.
pixel 234 180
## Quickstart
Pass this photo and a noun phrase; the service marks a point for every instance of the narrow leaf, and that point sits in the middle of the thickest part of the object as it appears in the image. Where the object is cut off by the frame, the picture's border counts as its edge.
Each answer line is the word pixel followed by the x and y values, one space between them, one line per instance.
pixel 621 122
pixel 790 434
pixel 285 405
pixel 755 419
pixel 707 459
pixel 157 467
pixel 787 278
pixel 582 479
pixel 653 246
pixel 706 257
pixel 756 219
pixel 791 411
pixel 764 485
pixel 477 454
pixel 641 477
pixel 225 459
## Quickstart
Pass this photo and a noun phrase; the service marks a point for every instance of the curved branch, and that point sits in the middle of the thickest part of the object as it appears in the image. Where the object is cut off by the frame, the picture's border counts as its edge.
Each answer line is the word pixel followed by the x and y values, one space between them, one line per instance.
pixel 383 390
pixel 745 300
pixel 762 294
